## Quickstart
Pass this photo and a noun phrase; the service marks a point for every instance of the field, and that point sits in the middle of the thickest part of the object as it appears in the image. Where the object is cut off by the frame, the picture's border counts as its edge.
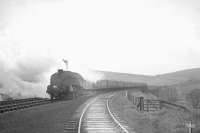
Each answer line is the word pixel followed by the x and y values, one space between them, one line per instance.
pixel 164 121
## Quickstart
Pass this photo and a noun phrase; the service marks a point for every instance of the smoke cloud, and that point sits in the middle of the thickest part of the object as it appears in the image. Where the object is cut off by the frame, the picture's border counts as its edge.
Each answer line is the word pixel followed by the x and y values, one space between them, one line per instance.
pixel 23 76
pixel 32 70
pixel 91 75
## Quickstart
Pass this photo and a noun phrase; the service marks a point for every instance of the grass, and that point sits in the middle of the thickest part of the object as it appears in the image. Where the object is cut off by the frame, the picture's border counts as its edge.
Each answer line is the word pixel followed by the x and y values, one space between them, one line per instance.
pixel 164 121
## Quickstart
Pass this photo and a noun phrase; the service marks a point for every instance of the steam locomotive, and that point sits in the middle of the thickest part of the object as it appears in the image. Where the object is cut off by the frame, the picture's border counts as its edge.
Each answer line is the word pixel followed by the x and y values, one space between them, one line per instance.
pixel 64 84
pixel 69 85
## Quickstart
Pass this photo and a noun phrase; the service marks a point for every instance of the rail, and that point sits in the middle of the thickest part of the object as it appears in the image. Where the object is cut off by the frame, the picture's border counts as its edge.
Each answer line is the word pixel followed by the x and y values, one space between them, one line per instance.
pixel 97 116
pixel 111 114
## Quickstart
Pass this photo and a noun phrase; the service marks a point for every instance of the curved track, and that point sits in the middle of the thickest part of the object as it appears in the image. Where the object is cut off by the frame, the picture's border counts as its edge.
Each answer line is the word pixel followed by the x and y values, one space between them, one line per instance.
pixel 98 118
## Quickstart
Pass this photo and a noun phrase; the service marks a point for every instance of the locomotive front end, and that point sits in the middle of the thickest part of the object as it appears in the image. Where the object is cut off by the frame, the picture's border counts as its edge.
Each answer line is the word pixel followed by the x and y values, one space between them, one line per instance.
pixel 64 85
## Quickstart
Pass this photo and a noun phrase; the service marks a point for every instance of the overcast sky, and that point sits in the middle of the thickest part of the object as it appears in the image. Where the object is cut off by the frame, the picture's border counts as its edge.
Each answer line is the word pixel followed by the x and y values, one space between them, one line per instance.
pixel 132 36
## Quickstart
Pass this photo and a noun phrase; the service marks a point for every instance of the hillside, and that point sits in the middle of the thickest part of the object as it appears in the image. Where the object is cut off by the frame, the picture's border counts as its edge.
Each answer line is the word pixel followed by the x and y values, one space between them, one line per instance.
pixel 124 76
pixel 182 78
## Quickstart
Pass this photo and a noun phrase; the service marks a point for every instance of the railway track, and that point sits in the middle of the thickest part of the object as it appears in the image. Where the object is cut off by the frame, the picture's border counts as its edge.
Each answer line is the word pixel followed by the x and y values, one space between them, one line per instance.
pixel 6 106
pixel 96 118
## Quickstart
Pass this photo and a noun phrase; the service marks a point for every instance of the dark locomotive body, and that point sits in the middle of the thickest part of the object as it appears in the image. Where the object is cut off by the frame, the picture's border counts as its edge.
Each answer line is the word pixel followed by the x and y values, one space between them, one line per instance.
pixel 64 85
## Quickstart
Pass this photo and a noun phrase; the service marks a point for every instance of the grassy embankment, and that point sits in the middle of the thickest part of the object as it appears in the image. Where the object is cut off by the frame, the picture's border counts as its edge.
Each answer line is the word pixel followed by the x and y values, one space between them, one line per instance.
pixel 164 121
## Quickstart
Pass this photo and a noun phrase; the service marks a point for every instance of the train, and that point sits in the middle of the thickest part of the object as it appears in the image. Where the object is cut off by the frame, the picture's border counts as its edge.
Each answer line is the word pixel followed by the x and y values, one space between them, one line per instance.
pixel 69 85
pixel 64 84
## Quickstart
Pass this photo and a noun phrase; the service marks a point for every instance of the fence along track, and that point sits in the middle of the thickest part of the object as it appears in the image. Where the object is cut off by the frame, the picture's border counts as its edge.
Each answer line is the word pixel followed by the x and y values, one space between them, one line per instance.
pixel 6 106
pixel 97 118
pixel 17 101
pixel 154 105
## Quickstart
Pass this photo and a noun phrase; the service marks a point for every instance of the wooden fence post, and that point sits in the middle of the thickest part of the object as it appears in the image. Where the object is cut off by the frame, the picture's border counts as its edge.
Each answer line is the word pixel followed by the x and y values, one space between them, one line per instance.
pixel 160 105
pixel 141 102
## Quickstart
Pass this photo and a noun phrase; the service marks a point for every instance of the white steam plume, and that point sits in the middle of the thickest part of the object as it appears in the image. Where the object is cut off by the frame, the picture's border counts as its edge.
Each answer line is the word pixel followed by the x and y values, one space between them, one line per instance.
pixel 91 75
pixel 23 76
